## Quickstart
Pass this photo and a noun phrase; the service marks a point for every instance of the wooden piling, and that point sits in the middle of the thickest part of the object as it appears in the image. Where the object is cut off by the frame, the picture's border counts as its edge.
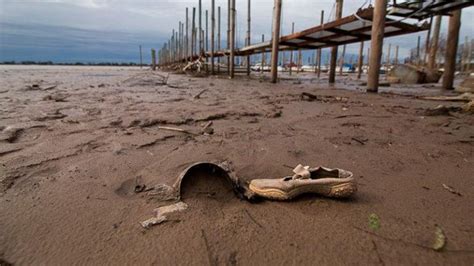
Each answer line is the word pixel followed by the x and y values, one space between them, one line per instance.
pixel 232 39
pixel 228 35
pixel 320 50
pixel 451 49
pixel 300 61
pixel 427 43
pixel 388 53
pixel 275 39
pixel 248 34
pixel 342 59
pixel 213 29
pixel 465 55
pixel 218 38
pixel 262 64
pixel 206 38
pixel 153 59
pixel 378 28
pixel 396 55
pixel 360 62
pixel 332 68
pixel 291 52
pixel 201 41
pixel 469 57
pixel 181 43
pixel 141 58
pixel 434 43
pixel 193 34
pixel 418 51
pixel 186 39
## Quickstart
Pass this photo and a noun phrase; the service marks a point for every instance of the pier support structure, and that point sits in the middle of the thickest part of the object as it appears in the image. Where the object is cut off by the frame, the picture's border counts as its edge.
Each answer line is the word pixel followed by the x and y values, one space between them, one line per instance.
pixel 378 28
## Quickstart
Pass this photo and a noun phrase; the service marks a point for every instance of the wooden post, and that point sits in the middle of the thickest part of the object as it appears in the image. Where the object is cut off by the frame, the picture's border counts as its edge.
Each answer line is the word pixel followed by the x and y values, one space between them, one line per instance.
pixel 378 28
pixel 141 58
pixel 219 38
pixel 469 57
pixel 180 45
pixel 173 46
pixel 300 61
pixel 427 43
pixel 186 39
pixel 276 39
pixel 262 64
pixel 360 62
pixel 396 55
pixel 213 29
pixel 320 50
pixel 332 68
pixel 451 49
pixel 153 59
pixel 418 51
pixel 248 34
pixel 388 53
pixel 176 47
pixel 201 41
pixel 170 52
pixel 206 39
pixel 465 55
pixel 342 59
pixel 434 43
pixel 291 52
pixel 228 34
pixel 193 34
pixel 232 38
pixel 368 55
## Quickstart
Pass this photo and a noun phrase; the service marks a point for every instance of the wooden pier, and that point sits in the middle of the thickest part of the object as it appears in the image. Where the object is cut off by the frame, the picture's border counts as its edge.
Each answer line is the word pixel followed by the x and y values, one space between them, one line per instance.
pixel 373 23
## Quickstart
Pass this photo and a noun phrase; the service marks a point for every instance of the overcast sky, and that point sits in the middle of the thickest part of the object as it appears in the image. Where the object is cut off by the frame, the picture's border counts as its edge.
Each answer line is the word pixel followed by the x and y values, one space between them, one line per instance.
pixel 111 30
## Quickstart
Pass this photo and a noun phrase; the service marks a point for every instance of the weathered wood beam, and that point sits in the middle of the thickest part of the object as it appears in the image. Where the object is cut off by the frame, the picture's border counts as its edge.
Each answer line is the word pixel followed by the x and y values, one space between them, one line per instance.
pixel 275 39
pixel 378 26
pixel 451 50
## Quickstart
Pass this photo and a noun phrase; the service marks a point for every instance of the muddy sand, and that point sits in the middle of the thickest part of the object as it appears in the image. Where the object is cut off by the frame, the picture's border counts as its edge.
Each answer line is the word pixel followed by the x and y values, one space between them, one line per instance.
pixel 76 140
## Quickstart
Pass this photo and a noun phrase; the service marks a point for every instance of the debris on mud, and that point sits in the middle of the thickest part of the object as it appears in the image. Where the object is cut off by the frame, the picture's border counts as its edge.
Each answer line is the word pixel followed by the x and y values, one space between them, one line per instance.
pixel 440 239
pixel 441 110
pixel 452 190
pixel 160 214
pixel 374 221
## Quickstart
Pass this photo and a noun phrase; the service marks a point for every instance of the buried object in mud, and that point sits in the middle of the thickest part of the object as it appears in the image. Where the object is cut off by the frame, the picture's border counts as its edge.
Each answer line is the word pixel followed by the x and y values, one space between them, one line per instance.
pixel 336 183
pixel 408 74
pixel 160 214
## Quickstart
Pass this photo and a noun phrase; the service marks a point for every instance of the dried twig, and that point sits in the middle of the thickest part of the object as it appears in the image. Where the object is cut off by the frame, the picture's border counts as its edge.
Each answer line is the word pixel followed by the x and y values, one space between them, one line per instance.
pixel 176 129
pixel 198 96
pixel 452 190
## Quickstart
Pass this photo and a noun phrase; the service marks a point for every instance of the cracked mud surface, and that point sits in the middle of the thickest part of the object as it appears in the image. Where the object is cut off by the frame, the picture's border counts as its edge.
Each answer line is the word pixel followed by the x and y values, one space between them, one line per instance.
pixel 74 139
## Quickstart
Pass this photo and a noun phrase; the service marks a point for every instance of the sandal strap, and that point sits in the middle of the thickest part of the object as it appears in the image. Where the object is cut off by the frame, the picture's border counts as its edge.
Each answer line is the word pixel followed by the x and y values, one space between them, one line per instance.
pixel 301 172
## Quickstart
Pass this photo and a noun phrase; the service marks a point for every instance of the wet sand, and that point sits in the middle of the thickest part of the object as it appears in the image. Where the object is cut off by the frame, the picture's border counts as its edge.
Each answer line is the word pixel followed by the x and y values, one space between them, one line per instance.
pixel 71 147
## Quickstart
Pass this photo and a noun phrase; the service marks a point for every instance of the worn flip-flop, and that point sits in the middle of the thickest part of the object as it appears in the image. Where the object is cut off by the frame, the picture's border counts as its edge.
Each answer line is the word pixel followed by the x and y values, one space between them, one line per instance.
pixel 327 182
